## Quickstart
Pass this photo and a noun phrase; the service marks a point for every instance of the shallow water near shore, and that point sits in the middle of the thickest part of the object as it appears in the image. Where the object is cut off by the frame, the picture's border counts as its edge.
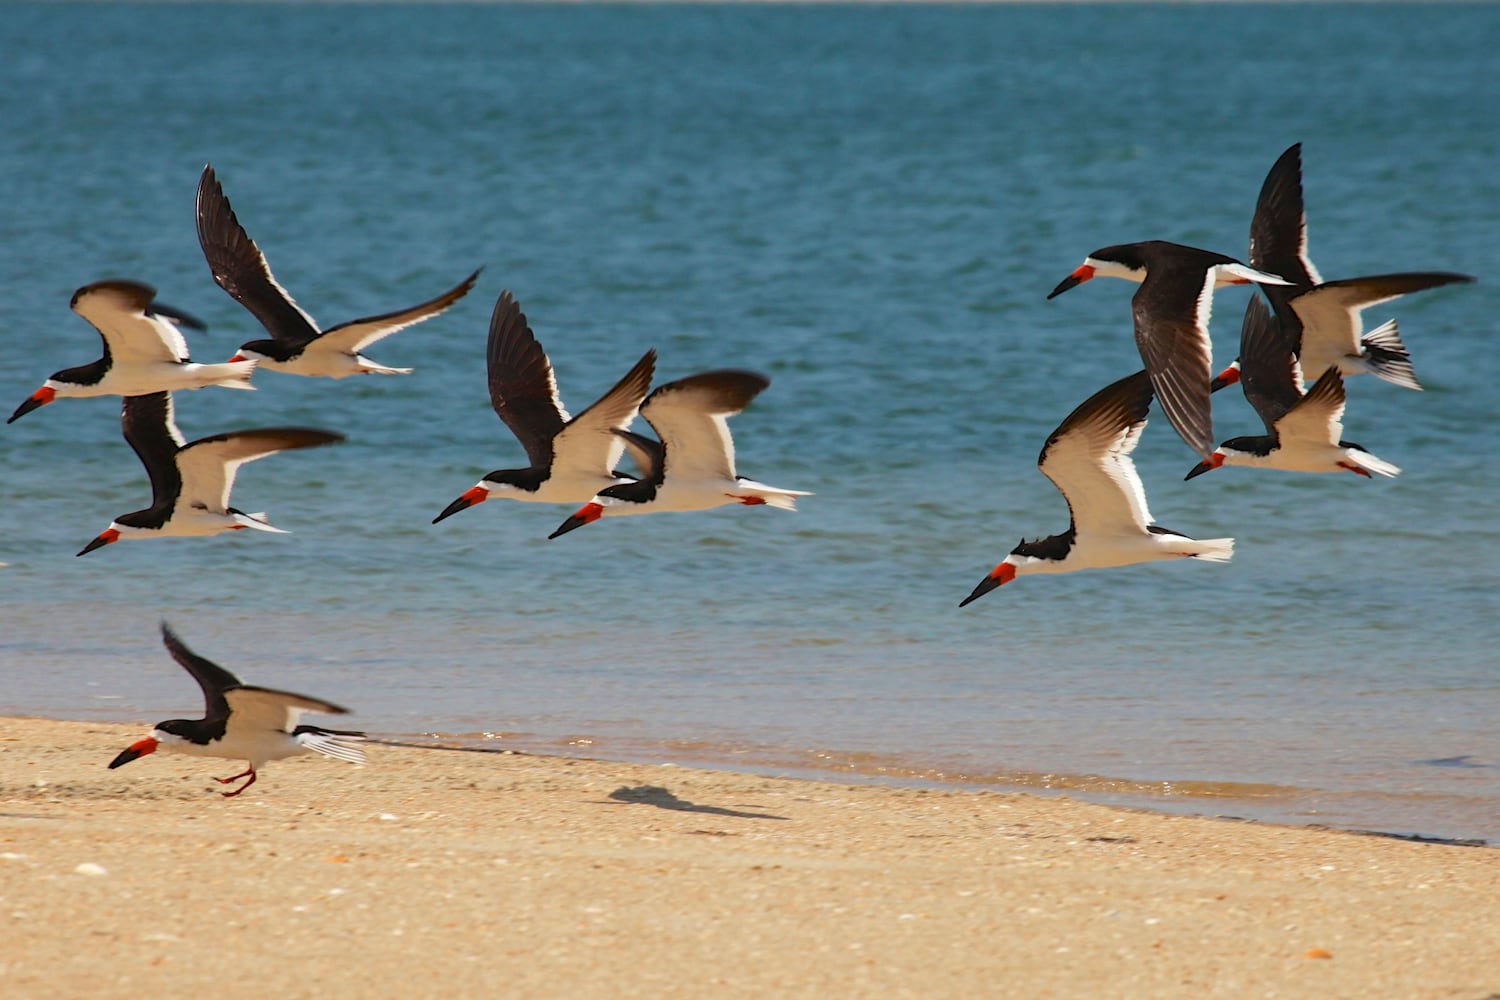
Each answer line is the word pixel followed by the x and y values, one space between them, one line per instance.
pixel 867 204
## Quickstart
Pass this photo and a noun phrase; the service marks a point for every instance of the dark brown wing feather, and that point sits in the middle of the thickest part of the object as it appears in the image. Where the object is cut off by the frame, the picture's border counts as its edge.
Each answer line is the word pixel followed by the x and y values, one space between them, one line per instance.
pixel 624 397
pixel 240 268
pixel 1119 404
pixel 646 452
pixel 1278 230
pixel 146 422
pixel 1377 288
pixel 1269 372
pixel 723 390
pixel 1171 331
pixel 212 678
pixel 523 390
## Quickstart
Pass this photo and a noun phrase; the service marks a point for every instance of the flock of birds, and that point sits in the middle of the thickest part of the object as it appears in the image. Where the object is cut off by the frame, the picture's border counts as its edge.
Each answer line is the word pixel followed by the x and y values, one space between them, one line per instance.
pixel 1311 327
pixel 689 466
pixel 1302 326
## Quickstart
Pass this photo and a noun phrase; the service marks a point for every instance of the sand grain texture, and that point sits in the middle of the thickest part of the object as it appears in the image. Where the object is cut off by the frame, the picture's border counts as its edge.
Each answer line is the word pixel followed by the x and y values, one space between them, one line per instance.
pixel 432 873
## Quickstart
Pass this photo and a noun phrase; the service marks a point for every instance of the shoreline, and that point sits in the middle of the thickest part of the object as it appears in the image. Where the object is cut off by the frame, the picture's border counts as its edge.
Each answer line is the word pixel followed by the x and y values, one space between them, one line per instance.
pixel 1253 802
pixel 1065 786
pixel 478 872
pixel 1247 801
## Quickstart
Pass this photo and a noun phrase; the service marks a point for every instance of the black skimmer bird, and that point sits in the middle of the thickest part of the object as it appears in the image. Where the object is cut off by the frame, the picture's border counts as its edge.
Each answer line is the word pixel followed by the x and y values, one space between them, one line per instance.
pixel 572 458
pixel 144 351
pixel 1088 460
pixel 190 483
pixel 1171 311
pixel 1302 431
pixel 242 722
pixel 692 467
pixel 296 346
pixel 1321 320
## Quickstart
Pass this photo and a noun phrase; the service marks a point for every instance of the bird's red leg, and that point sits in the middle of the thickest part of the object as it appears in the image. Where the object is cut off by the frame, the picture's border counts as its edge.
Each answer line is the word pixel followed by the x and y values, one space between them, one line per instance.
pixel 225 781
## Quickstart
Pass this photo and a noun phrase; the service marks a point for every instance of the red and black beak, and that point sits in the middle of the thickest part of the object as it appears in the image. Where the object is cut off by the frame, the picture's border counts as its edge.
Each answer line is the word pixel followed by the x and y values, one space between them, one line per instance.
pixel 1002 574
pixel 1229 376
pixel 139 748
pixel 106 537
pixel 474 495
pixel 587 514
pixel 1082 273
pixel 41 397
pixel 1207 465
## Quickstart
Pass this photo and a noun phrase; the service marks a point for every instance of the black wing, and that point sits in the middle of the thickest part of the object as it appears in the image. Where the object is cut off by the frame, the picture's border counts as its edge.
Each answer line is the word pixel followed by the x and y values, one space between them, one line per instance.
pixel 146 422
pixel 1278 242
pixel 1171 311
pixel 649 455
pixel 212 678
pixel 523 390
pixel 1269 371
pixel 240 268
pixel 1278 230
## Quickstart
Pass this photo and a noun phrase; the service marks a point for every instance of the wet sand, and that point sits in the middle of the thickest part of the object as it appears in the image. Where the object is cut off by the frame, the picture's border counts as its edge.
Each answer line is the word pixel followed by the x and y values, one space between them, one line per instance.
pixel 449 873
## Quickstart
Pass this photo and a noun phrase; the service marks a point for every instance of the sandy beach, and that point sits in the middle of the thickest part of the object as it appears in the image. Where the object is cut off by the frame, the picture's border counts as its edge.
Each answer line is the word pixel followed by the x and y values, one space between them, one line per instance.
pixel 450 873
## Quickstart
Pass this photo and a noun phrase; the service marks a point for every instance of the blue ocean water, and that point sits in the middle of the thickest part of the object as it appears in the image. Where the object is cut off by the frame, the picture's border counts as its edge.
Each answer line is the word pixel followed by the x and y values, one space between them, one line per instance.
pixel 867 203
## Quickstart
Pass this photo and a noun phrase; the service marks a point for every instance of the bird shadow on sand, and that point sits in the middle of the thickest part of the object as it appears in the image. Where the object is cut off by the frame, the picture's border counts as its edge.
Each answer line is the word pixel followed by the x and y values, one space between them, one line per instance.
pixel 1463 760
pixel 661 798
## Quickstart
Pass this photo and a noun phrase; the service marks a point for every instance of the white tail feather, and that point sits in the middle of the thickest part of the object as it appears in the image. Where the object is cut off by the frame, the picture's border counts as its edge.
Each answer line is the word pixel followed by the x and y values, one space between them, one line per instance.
pixel 230 374
pixel 1218 550
pixel 256 521
pixel 1385 336
pixel 341 745
pixel 771 496
pixel 1251 274
pixel 1386 356
pixel 782 501
pixel 1371 463
pixel 368 367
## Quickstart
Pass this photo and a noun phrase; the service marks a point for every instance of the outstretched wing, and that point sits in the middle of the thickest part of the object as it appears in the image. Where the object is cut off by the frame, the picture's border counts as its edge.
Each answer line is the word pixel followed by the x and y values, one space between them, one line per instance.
pixel 208 465
pixel 1318 416
pixel 589 443
pixel 147 424
pixel 258 709
pixel 523 390
pixel 356 335
pixel 240 268
pixel 1330 313
pixel 132 330
pixel 1171 311
pixel 1278 230
pixel 1088 458
pixel 645 452
pixel 212 678
pixel 691 416
pixel 1269 372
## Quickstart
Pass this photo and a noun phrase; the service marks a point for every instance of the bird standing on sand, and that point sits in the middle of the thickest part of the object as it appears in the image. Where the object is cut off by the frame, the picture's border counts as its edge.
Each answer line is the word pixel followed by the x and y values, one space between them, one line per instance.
pixel 297 346
pixel 572 458
pixel 242 722
pixel 1088 460
pixel 144 351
